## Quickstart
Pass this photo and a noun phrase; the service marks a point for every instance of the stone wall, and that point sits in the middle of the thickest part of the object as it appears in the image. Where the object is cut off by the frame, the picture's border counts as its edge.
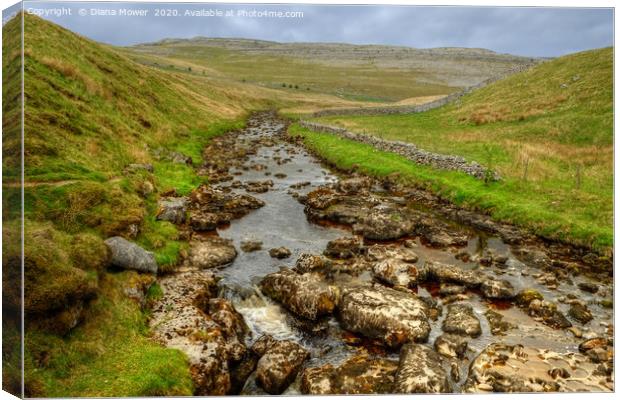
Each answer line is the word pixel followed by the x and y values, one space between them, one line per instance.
pixel 412 109
pixel 409 151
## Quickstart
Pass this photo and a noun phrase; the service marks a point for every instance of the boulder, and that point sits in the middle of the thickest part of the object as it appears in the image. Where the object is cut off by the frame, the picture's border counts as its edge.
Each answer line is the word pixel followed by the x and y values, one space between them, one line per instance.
pixel 451 345
pixel 346 247
pixel 396 272
pixel 280 253
pixel 548 314
pixel 201 221
pixel 589 287
pixel 420 370
pixel 383 224
pixel 461 320
pixel 189 317
pixel 128 255
pixel 453 274
pixel 211 252
pixel 303 294
pixel 526 296
pixel 279 363
pixel 311 263
pixel 378 312
pixel 580 313
pixel 497 289
pixel 172 209
pixel 249 246
pixel 360 374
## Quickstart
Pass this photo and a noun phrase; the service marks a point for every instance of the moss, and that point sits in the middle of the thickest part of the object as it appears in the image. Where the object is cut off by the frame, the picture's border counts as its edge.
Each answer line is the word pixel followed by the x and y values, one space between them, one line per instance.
pixel 51 282
pixel 89 252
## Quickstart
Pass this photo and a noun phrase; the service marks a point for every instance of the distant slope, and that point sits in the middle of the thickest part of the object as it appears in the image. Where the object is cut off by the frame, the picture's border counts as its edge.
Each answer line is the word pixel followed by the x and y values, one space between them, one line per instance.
pixel 372 72
pixel 547 130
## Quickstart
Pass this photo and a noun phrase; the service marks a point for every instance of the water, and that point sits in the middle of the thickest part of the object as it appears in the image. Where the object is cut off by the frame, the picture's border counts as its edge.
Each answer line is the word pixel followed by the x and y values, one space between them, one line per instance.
pixel 282 222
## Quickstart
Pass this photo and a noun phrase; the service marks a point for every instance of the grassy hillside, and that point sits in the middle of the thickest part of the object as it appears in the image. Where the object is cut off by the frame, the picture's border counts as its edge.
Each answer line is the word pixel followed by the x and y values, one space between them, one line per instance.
pixel 90 111
pixel 548 131
pixel 364 73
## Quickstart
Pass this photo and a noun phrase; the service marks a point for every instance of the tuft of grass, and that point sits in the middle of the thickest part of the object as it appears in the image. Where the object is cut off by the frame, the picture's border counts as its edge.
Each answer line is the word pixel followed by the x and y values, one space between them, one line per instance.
pixel 507 201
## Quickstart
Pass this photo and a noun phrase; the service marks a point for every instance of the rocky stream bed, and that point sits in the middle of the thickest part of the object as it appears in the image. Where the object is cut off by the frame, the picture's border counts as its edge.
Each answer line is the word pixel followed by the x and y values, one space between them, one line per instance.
pixel 301 280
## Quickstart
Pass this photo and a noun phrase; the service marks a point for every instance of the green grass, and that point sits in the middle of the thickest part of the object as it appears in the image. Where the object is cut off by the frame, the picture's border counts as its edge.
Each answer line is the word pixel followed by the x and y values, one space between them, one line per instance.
pixel 547 131
pixel 365 82
pixel 90 112
pixel 504 201
pixel 107 355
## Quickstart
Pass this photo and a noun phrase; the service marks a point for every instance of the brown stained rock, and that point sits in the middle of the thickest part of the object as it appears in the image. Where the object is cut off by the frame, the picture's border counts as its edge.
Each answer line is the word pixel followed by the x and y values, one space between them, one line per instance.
pixel 420 370
pixel 378 312
pixel 504 368
pixel 210 252
pixel 461 320
pixel 303 294
pixel 279 363
pixel 345 247
pixel 360 374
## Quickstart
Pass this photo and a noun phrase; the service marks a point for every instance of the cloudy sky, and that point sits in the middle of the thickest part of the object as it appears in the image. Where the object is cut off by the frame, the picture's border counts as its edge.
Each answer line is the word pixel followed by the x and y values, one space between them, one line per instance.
pixel 522 31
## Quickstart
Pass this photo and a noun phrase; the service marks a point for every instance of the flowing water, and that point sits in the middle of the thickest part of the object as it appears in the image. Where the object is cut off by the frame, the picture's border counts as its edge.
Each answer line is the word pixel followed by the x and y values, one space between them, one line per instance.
pixel 282 222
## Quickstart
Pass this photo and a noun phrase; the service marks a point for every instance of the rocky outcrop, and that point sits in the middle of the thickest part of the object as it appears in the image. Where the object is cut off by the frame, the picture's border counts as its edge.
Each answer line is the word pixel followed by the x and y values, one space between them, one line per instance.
pixel 279 363
pixel 420 370
pixel 303 294
pixel 128 255
pixel 210 252
pixel 207 329
pixel 377 312
pixel 504 368
pixel 461 320
pixel 360 374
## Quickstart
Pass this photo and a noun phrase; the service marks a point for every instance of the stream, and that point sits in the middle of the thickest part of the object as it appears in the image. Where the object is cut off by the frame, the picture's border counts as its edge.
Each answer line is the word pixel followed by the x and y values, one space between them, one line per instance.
pixel 281 222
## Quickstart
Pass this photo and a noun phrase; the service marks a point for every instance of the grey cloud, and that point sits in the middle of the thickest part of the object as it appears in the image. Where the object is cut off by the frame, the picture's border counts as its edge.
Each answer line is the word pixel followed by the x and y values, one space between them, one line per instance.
pixel 523 31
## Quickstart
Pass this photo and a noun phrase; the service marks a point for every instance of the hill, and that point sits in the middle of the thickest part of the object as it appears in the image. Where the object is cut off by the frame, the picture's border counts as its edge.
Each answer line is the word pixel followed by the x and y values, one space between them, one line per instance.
pixel 549 133
pixel 358 72
pixel 93 120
